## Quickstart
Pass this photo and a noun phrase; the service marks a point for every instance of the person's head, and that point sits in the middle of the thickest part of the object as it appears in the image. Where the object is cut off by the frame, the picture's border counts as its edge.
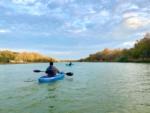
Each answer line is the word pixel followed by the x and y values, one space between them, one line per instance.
pixel 51 63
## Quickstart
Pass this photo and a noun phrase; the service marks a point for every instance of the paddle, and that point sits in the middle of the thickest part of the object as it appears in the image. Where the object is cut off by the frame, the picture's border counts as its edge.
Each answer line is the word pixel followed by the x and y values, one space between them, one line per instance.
pixel 68 73
pixel 37 71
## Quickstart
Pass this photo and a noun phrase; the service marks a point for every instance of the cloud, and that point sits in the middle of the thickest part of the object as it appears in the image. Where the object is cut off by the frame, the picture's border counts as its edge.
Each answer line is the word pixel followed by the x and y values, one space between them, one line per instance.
pixel 136 19
pixel 24 2
pixel 130 14
pixel 126 6
pixel 104 13
pixel 37 9
pixel 19 50
pixel 30 7
pixel 4 30
pixel 136 22
pixel 77 26
pixel 128 44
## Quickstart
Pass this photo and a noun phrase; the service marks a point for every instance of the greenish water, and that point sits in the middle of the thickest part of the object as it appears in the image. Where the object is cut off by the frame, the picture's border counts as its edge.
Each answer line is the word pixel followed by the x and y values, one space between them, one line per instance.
pixel 94 88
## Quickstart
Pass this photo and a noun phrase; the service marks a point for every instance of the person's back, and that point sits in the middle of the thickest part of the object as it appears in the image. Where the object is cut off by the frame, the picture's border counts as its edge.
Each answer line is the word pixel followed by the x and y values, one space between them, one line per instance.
pixel 51 70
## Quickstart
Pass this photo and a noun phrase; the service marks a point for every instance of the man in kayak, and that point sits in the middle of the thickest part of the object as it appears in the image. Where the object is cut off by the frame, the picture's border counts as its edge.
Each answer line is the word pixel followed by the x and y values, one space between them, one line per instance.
pixel 70 63
pixel 51 70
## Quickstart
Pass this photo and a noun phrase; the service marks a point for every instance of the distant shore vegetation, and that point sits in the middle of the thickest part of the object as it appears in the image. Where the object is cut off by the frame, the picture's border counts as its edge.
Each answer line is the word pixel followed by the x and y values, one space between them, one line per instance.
pixel 7 56
pixel 139 53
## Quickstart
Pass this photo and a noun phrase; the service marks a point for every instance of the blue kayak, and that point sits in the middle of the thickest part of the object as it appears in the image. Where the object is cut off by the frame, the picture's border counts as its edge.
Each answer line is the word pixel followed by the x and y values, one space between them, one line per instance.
pixel 46 79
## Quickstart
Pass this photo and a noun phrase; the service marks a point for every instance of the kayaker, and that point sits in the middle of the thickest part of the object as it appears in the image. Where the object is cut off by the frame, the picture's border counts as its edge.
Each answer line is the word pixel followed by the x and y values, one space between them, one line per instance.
pixel 51 70
pixel 70 63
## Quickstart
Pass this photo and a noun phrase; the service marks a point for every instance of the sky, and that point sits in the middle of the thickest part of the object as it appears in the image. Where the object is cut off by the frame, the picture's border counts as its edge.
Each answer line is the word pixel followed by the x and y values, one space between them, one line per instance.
pixel 72 29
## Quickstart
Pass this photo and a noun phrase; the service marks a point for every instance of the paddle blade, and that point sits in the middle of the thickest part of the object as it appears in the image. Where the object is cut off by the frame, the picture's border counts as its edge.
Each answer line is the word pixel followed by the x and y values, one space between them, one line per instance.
pixel 37 71
pixel 69 74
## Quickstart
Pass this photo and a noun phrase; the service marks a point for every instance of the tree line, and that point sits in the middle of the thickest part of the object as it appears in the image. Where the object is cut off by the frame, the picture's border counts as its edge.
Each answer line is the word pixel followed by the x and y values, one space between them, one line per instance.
pixel 139 53
pixel 7 56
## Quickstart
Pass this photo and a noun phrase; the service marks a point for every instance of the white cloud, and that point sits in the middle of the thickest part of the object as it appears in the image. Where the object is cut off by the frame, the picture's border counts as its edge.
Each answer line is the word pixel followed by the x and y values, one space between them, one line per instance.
pixel 60 2
pixel 104 13
pixel 130 14
pixel 99 18
pixel 19 50
pixel 126 6
pixel 91 10
pixel 76 31
pixel 76 26
pixel 136 22
pixel 24 2
pixel 129 44
pixel 32 7
pixel 4 30
pixel 133 7
pixel 37 9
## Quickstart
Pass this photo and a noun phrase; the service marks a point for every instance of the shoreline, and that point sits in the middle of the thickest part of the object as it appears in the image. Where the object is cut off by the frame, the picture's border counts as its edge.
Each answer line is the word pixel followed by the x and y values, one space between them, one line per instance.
pixel 80 62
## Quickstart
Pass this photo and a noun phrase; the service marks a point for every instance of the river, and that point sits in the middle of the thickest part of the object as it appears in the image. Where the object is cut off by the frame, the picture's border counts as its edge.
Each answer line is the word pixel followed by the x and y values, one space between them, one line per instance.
pixel 94 88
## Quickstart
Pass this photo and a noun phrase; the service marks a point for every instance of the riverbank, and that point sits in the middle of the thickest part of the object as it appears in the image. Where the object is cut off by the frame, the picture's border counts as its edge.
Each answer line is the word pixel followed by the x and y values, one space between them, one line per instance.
pixel 12 57
pixel 139 53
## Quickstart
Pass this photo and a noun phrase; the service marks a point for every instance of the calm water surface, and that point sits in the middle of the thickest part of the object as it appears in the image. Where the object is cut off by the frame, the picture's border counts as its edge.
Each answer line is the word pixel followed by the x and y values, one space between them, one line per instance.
pixel 94 88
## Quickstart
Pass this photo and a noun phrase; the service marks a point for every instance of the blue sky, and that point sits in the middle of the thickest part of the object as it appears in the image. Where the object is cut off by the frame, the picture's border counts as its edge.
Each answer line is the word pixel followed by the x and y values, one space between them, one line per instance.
pixel 72 29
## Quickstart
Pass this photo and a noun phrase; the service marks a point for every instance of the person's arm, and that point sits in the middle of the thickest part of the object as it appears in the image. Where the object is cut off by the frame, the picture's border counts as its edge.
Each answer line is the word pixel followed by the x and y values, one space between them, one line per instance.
pixel 57 70
pixel 46 71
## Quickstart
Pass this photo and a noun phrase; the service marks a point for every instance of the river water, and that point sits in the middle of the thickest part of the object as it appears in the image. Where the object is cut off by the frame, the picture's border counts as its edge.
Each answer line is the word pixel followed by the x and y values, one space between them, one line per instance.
pixel 94 88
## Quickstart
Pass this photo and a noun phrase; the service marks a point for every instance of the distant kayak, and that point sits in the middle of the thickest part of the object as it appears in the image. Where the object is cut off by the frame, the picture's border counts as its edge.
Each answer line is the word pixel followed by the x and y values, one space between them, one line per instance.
pixel 46 79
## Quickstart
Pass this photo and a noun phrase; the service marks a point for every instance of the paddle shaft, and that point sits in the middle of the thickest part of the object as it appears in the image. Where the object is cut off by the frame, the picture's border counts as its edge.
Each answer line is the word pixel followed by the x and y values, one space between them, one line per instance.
pixel 68 73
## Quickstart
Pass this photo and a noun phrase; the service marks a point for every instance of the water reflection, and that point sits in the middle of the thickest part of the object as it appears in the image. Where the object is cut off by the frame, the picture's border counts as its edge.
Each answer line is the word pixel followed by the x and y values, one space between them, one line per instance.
pixel 69 79
pixel 29 80
pixel 52 96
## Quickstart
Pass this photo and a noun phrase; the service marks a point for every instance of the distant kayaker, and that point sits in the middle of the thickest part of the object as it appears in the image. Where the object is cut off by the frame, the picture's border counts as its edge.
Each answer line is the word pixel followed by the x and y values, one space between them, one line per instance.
pixel 70 63
pixel 51 70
